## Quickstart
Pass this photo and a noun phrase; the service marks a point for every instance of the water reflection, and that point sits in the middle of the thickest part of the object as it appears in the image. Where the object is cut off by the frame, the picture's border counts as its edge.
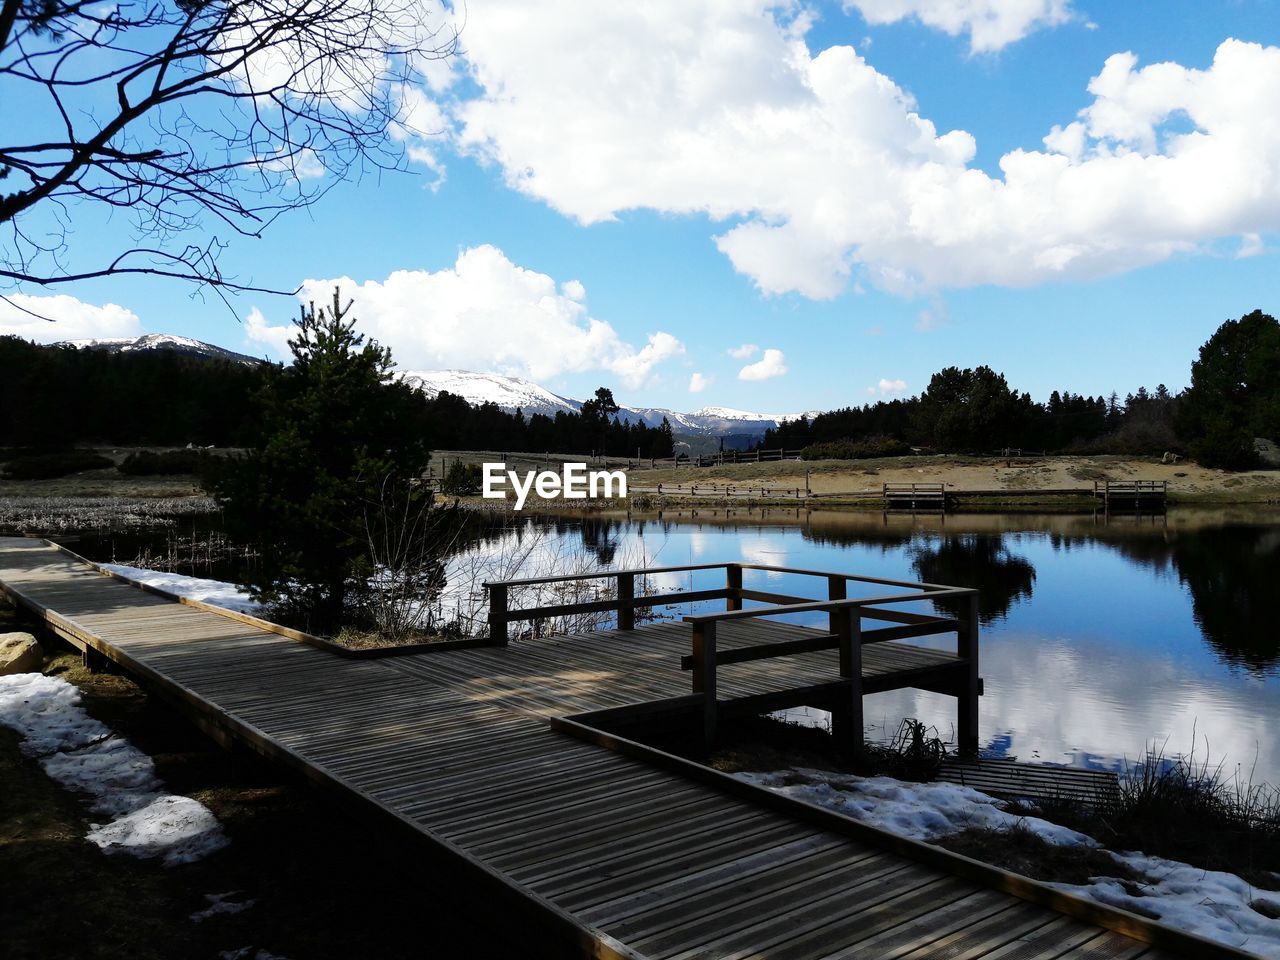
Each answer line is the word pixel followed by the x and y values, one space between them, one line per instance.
pixel 1232 573
pixel 975 560
pixel 1100 634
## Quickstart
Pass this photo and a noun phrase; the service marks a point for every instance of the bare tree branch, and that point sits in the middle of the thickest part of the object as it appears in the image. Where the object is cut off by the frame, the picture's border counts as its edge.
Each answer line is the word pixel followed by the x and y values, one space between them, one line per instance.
pixel 190 113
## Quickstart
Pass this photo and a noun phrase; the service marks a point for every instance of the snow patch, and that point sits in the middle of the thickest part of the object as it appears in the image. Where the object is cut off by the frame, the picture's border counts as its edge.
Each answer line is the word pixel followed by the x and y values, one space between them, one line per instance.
pixel 921 811
pixel 217 592
pixel 85 755
pixel 1210 904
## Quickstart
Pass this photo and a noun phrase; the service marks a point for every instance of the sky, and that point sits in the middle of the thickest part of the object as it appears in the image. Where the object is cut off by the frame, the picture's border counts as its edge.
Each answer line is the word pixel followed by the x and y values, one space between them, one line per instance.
pixel 782 206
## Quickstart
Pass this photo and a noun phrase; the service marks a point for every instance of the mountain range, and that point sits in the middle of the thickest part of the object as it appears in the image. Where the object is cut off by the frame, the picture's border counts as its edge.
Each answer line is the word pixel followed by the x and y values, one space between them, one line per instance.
pixel 509 393
pixel 163 341
pixel 512 393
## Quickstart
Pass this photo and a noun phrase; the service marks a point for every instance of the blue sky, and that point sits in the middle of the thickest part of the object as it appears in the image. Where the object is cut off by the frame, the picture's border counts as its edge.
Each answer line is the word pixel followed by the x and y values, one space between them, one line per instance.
pixel 756 174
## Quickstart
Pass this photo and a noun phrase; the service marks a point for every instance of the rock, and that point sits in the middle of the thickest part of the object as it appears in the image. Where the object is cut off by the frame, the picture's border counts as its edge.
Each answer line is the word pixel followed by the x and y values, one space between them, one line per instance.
pixel 1268 452
pixel 19 653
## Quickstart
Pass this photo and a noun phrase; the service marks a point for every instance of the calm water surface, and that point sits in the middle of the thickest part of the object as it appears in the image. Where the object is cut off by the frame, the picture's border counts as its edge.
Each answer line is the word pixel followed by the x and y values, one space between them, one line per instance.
pixel 1099 636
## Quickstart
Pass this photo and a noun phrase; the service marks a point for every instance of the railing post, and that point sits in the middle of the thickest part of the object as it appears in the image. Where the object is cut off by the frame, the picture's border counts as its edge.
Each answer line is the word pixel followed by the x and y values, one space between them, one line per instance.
pixel 626 601
pixel 967 694
pixel 836 587
pixel 704 676
pixel 498 614
pixel 733 585
pixel 846 716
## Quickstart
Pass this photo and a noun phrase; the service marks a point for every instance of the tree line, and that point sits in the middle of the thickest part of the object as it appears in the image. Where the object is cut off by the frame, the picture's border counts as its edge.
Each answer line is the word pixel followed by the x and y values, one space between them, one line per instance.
pixel 60 396
pixel 1234 397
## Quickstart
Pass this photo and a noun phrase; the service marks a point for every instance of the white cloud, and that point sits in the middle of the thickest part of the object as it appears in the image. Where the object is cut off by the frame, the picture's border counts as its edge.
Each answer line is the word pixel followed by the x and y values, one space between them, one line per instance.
pixel 744 351
pixel 1251 245
pixel 422 126
pixel 932 316
pixel 486 313
pixel 889 388
pixel 990 24
pixel 304 164
pixel 772 364
pixel 698 383
pixel 63 317
pixel 276 339
pixel 825 170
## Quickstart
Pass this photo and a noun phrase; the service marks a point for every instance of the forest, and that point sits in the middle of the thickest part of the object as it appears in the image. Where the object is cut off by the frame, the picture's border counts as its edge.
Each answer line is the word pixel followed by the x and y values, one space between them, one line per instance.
pixel 62 396
pixel 1233 399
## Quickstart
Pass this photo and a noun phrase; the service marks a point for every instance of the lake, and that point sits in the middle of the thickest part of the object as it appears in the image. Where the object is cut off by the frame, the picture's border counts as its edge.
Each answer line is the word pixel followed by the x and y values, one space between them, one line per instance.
pixel 1099 635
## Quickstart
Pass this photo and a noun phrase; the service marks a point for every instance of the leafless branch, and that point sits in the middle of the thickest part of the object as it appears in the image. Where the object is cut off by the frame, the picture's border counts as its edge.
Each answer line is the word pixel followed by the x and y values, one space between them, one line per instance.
pixel 188 115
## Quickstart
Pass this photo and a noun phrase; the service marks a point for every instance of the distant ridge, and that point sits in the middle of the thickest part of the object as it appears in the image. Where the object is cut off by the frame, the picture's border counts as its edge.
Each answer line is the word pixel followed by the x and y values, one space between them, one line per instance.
pixel 511 393
pixel 163 341
pixel 508 393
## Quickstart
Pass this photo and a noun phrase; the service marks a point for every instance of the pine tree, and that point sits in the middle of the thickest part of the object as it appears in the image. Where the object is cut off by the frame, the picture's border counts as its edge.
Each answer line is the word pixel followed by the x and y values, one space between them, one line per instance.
pixel 336 432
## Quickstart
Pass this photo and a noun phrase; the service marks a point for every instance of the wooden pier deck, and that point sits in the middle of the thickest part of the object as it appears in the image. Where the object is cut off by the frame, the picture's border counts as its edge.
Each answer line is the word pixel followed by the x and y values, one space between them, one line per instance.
pixel 621 850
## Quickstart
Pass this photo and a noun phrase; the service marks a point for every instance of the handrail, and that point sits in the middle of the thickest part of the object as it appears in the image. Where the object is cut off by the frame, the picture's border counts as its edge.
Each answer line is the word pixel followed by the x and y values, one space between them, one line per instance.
pixel 847 577
pixel 845 631
pixel 642 571
pixel 603 574
pixel 822 606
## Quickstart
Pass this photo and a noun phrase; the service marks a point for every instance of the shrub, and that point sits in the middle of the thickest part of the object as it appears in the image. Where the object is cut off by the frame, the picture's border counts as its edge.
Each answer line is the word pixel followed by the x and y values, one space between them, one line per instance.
pixel 1225 445
pixel 864 449
pixel 46 466
pixel 146 463
pixel 461 479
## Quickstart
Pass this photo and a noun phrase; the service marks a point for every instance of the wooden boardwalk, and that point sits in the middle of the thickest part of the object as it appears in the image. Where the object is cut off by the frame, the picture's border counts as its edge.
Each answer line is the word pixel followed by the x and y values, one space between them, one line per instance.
pixel 621 850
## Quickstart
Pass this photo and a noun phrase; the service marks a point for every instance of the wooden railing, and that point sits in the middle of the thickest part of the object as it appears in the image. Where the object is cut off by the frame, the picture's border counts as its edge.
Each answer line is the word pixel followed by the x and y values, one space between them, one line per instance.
pixel 625 602
pixel 845 633
pixel 1131 488
pixel 845 627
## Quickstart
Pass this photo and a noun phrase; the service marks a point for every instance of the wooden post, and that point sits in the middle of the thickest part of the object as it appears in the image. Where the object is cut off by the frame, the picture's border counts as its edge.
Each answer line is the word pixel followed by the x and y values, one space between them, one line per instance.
pixel 847 724
pixel 835 591
pixel 733 583
pixel 626 601
pixel 498 614
pixel 704 676
pixel 967 694
pixel 808 490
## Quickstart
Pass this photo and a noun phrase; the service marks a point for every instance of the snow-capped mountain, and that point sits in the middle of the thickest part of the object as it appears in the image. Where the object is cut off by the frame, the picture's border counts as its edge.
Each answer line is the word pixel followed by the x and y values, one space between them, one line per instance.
pixel 508 393
pixel 163 341
pixel 511 393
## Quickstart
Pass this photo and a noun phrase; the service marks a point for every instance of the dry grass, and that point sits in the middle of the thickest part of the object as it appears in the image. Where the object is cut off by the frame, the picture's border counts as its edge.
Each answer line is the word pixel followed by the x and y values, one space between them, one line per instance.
pixel 1025 853
pixel 1188 482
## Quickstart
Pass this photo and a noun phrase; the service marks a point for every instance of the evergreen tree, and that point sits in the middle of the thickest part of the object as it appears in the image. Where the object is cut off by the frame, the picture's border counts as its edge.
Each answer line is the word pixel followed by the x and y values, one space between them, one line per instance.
pixel 1235 392
pixel 336 431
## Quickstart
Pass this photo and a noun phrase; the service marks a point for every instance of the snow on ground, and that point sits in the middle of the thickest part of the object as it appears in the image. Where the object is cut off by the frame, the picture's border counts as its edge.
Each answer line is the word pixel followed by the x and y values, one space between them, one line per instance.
pixel 85 755
pixel 1211 904
pixel 217 592
pixel 922 811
